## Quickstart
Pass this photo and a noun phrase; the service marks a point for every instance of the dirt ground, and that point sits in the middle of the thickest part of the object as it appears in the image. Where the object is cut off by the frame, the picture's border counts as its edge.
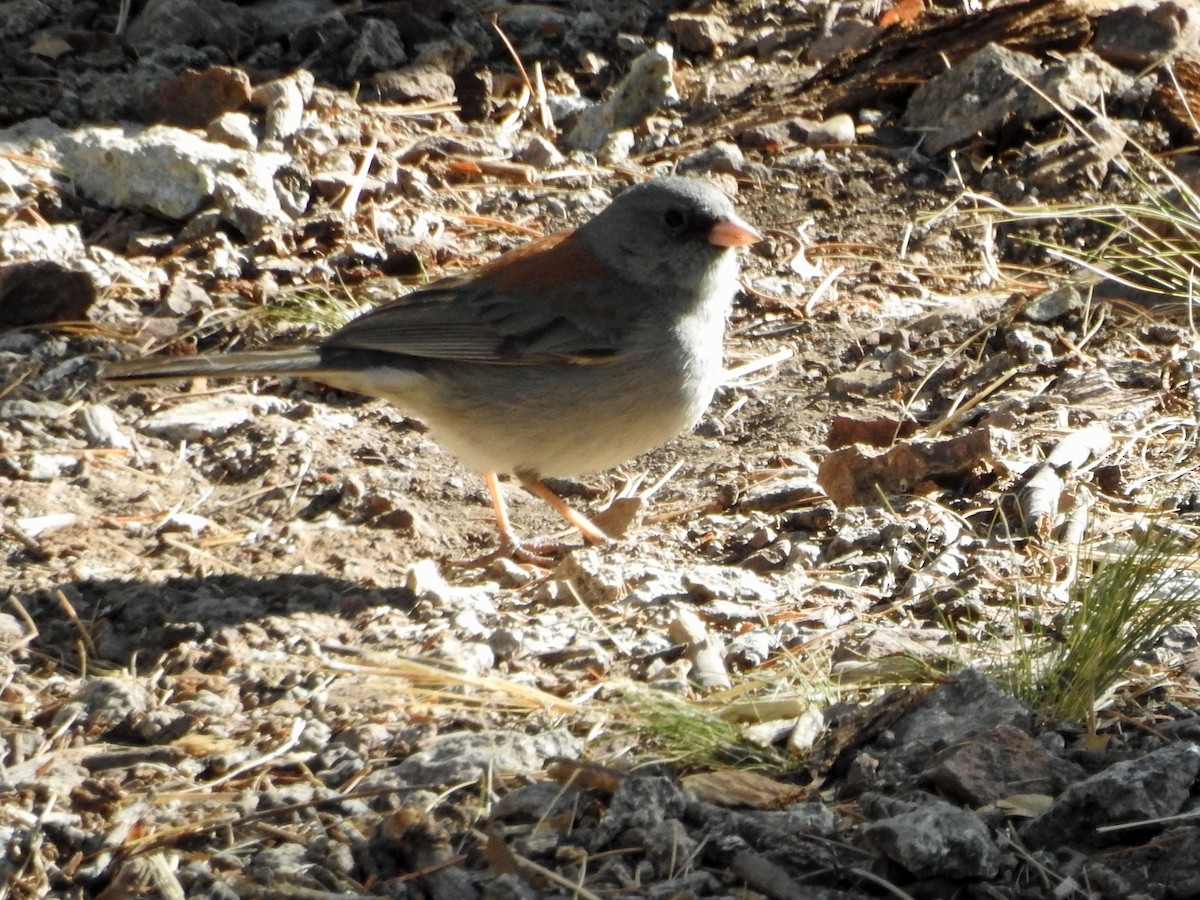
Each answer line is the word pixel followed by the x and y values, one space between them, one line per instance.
pixel 296 568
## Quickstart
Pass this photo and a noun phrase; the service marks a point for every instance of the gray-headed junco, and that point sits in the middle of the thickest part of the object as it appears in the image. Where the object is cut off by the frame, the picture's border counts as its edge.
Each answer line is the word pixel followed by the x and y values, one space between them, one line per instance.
pixel 571 354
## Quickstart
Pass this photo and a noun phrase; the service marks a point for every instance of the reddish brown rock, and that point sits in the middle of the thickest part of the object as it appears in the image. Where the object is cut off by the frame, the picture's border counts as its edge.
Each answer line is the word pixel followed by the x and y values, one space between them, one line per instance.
pixel 195 98
pixel 875 428
pixel 852 476
pixel 997 764
pixel 697 33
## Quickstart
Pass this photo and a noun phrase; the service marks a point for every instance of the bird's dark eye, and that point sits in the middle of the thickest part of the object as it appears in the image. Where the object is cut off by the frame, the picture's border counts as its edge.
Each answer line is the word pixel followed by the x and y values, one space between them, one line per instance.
pixel 673 218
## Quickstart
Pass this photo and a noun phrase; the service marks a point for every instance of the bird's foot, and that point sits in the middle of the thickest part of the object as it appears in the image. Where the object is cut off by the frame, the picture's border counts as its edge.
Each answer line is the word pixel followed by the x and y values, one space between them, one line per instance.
pixel 544 554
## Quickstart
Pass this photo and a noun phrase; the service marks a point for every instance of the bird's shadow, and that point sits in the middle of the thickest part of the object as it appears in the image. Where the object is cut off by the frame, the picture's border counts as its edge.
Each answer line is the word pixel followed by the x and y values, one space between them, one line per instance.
pixel 131 624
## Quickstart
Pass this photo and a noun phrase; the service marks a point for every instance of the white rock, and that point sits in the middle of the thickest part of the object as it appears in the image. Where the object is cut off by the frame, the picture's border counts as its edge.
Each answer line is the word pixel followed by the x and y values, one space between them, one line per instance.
pixel 48 466
pixel 233 129
pixel 208 417
pixel 33 140
pixel 102 429
pixel 647 88
pixel 60 243
pixel 163 169
pixel 186 522
pixel 38 525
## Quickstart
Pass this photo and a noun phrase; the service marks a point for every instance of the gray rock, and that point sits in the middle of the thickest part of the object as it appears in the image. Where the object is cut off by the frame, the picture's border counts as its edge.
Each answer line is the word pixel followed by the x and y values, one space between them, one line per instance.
pixel 811 818
pixel 641 802
pixel 708 582
pixel 109 702
pixel 377 46
pixel 284 100
pixel 843 39
pixel 250 205
pixel 466 757
pixel 1136 37
pixel 21 410
pixel 837 129
pixel 968 704
pixel 564 108
pixel 937 840
pixel 540 152
pixel 720 156
pixel 413 84
pixel 276 18
pixel 699 33
pixel 990 90
pixel 35 139
pixel 205 704
pixel 1156 785
pixel 195 23
pixel 1054 304
pixel 616 147
pixel 22 17
pixel 668 842
pixel 61 243
pixel 536 800
pixel 449 54
pixel 234 129
pixel 49 466
pixel 208 417
pixel 997 764
pixel 278 865
pixel 1027 347
pixel 20 342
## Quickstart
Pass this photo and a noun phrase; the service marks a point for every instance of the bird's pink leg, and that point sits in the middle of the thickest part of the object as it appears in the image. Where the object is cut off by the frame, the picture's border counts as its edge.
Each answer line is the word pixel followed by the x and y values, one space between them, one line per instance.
pixel 590 530
pixel 503 524
pixel 511 546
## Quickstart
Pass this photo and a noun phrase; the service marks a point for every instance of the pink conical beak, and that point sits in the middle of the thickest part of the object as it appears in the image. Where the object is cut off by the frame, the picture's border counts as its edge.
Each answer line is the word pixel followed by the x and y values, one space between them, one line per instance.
pixel 734 232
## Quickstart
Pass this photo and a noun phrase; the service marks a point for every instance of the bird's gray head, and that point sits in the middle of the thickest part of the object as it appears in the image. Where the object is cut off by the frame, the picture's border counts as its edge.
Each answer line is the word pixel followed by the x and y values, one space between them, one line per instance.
pixel 669 231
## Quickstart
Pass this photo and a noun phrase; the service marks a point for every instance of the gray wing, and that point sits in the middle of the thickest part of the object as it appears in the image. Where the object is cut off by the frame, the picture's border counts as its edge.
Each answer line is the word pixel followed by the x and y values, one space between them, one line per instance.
pixel 458 319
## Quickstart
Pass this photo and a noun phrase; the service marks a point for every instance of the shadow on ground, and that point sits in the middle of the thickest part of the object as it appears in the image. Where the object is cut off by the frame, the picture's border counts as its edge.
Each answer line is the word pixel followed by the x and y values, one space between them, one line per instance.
pixel 132 624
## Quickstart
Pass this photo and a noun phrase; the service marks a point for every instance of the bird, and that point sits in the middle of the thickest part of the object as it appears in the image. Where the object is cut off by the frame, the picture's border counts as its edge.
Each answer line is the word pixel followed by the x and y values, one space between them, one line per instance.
pixel 566 356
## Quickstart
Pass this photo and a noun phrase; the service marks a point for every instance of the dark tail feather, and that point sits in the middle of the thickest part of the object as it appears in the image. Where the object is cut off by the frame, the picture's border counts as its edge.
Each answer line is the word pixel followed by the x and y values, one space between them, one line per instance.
pixel 222 365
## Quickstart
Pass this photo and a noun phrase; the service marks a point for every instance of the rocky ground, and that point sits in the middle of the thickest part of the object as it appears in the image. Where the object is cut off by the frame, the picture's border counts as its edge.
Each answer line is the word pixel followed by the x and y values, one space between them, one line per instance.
pixel 241 659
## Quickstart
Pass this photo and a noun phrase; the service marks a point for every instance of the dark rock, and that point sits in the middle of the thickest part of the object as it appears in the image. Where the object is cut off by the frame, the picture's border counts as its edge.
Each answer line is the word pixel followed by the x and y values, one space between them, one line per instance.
pixel 376 46
pixel 996 764
pixel 1156 785
pixel 1135 37
pixel 196 23
pixel 41 290
pixel 474 89
pixel 968 704
pixel 937 840
pixel 639 803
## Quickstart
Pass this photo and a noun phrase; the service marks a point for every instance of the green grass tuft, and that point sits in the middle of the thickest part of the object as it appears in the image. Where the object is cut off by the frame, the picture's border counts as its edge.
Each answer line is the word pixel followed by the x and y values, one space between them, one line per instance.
pixel 1113 616
pixel 688 734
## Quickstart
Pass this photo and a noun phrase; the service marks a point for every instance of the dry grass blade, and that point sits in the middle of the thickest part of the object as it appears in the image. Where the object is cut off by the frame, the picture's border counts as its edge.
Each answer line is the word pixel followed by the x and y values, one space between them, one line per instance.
pixel 523 696
pixel 1152 243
